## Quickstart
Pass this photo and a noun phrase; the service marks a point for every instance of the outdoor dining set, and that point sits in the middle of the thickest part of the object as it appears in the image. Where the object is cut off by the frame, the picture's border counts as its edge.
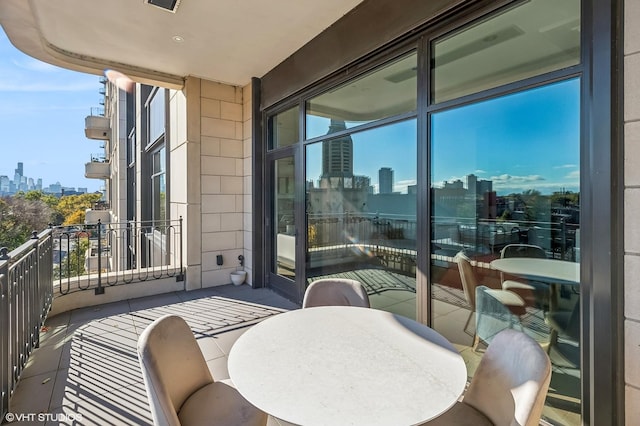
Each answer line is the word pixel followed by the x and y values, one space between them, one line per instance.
pixel 338 361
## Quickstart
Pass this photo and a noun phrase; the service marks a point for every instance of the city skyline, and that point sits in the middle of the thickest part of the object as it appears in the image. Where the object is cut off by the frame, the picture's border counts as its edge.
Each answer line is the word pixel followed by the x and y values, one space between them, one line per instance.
pixel 19 181
pixel 42 111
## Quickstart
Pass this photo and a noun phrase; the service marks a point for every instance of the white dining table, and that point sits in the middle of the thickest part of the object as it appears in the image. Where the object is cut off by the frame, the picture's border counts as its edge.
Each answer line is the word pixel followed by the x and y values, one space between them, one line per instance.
pixel 547 270
pixel 339 365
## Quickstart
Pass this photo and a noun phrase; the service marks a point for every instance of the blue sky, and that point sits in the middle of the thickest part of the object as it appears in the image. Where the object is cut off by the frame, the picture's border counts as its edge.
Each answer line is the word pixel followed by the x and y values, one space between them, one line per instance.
pixel 527 140
pixel 42 111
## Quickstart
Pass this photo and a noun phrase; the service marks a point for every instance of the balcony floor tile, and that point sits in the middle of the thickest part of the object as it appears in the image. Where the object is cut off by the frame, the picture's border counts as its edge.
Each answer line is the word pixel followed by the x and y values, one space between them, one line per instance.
pixel 87 363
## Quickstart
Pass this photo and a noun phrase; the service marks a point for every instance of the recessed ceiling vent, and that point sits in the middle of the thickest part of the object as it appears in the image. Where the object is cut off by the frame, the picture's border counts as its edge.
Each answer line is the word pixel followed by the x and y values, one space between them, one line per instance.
pixel 168 5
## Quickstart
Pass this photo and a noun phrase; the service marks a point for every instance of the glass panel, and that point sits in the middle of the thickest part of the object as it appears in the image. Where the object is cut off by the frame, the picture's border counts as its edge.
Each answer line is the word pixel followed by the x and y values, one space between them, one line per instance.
pixel 156 116
pixel 284 128
pixel 361 213
pixel 284 227
pixel 532 38
pixel 385 92
pixel 505 218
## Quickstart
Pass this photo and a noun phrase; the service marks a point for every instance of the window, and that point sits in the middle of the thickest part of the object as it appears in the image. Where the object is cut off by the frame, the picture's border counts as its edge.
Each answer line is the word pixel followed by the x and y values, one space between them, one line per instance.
pixel 158 187
pixel 156 115
pixel 284 128
pixel 387 91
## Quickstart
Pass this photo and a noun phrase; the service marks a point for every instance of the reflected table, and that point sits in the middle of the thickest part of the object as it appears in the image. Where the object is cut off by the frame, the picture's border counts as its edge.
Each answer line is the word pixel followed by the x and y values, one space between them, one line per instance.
pixel 338 365
pixel 546 270
pixel 550 271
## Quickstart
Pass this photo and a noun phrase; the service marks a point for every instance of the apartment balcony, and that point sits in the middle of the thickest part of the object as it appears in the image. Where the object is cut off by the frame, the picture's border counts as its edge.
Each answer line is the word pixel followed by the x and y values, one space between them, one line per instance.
pixel 97 127
pixel 87 366
pixel 97 170
pixel 83 359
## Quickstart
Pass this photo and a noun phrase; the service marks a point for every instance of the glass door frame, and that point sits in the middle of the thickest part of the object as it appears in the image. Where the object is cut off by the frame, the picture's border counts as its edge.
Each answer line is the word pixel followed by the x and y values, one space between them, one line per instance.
pixel 602 182
pixel 292 289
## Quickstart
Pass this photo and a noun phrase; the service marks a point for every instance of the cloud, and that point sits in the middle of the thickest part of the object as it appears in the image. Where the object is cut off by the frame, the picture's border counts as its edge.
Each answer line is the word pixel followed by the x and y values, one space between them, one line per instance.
pixel 566 166
pixel 507 179
pixel 573 175
pixel 401 186
pixel 35 65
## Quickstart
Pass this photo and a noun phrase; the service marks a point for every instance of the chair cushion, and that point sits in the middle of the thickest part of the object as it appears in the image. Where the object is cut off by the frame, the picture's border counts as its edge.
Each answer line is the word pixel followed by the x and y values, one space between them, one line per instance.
pixel 220 404
pixel 507 297
pixel 460 414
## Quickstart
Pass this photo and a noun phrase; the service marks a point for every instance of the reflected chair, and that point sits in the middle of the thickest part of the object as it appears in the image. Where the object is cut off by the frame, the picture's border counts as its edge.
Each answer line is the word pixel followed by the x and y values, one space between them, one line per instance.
pixel 564 323
pixel 513 301
pixel 179 384
pixel 492 316
pixel 335 292
pixel 508 388
pixel 537 293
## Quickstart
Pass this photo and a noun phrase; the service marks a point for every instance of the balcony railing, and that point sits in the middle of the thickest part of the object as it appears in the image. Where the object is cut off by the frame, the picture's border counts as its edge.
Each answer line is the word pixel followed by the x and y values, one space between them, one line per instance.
pixel 26 294
pixel 59 261
pixel 99 255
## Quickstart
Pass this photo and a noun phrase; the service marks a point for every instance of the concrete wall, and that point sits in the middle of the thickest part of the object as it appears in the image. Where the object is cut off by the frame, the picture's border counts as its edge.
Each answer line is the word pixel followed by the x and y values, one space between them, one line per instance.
pixel 631 208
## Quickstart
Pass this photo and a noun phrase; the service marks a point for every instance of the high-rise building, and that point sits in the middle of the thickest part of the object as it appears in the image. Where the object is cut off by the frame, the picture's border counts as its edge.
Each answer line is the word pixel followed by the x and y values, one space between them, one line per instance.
pixel 337 154
pixel 385 180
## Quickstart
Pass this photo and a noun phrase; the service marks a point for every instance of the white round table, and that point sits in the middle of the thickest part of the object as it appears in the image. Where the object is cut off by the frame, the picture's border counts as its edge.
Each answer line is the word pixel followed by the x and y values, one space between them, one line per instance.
pixel 337 365
pixel 547 270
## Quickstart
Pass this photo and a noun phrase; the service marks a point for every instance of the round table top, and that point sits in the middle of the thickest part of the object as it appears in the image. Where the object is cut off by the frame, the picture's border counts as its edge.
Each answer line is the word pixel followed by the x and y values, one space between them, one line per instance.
pixel 549 270
pixel 342 365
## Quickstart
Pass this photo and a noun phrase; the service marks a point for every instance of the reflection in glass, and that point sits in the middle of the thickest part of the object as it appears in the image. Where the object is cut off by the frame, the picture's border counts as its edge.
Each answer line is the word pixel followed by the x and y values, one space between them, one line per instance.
pixel 505 227
pixel 283 128
pixel 387 91
pixel 284 226
pixel 529 39
pixel 361 212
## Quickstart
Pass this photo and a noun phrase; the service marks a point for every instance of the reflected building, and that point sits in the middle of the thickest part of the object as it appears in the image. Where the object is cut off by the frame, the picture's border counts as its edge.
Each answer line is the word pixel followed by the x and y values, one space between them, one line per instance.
pixel 385 180
pixel 337 154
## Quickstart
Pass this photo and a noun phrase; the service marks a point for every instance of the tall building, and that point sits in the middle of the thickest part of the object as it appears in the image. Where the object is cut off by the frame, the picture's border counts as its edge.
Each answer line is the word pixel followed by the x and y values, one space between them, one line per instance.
pixel 337 154
pixel 385 180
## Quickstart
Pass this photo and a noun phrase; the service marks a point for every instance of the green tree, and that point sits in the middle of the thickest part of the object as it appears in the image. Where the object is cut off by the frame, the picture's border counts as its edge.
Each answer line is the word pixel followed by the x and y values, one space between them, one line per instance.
pixel 71 204
pixel 73 264
pixel 13 232
pixel 19 217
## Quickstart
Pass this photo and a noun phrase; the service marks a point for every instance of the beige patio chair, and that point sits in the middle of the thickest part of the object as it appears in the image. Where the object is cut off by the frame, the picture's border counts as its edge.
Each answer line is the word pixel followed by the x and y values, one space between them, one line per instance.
pixel 508 388
pixel 335 292
pixel 179 384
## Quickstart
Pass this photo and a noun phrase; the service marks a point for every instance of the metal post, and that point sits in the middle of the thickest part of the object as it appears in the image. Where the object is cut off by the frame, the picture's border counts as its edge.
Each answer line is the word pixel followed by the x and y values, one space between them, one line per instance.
pixel 5 369
pixel 180 276
pixel 99 289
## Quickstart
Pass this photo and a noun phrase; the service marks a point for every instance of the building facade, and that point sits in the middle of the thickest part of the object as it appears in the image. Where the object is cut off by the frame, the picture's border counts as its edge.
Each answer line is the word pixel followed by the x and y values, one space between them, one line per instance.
pixel 533 104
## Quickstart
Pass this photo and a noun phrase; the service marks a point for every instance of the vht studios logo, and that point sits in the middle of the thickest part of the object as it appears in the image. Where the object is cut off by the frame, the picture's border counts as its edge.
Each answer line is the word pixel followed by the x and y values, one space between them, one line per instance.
pixel 42 417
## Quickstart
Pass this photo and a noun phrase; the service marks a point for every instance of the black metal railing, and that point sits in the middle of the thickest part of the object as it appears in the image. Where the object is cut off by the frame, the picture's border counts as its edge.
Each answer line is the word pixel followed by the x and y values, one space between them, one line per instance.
pixel 107 254
pixel 26 293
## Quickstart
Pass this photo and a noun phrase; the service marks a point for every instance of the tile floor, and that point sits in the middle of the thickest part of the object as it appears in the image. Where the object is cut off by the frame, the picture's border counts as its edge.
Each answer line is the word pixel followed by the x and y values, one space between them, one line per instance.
pixel 87 364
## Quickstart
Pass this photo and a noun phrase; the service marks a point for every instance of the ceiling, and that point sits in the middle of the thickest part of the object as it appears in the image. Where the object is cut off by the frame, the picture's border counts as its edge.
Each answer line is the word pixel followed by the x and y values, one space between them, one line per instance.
pixel 228 41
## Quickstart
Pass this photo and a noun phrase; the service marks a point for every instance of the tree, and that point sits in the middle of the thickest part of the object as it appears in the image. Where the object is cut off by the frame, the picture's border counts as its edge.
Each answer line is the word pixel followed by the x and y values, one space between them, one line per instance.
pixel 73 264
pixel 13 232
pixel 70 204
pixel 75 218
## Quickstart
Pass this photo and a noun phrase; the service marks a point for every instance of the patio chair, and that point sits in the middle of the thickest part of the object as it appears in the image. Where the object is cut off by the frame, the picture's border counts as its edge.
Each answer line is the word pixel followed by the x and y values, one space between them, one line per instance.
pixel 492 315
pixel 534 292
pixel 508 388
pixel 469 284
pixel 335 292
pixel 179 384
